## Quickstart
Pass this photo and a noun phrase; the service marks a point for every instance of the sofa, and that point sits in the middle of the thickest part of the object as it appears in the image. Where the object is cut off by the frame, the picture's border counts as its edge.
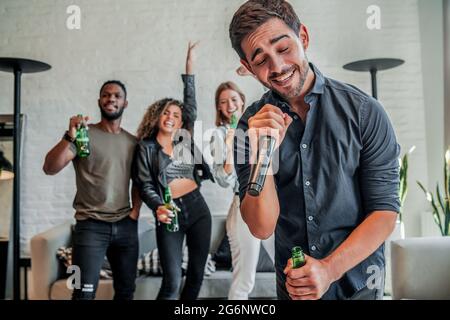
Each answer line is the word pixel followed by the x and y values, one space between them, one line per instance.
pixel 421 268
pixel 49 275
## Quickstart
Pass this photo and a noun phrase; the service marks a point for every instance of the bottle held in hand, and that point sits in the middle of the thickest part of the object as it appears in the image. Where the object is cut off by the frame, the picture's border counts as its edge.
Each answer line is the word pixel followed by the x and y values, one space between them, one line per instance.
pixel 82 140
pixel 298 258
pixel 174 225
pixel 233 121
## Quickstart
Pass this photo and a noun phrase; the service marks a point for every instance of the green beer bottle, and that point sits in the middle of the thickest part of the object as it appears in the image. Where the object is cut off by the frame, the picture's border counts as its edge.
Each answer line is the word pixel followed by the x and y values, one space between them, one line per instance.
pixel 233 121
pixel 298 258
pixel 173 226
pixel 82 140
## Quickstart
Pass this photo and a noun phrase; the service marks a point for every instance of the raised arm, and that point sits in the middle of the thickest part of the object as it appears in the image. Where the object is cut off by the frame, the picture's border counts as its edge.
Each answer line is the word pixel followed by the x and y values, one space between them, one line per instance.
pixel 190 103
pixel 64 151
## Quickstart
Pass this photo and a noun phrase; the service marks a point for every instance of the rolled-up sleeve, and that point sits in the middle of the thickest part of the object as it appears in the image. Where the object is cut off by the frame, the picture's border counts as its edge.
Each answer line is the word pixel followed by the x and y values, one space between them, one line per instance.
pixel 241 154
pixel 379 166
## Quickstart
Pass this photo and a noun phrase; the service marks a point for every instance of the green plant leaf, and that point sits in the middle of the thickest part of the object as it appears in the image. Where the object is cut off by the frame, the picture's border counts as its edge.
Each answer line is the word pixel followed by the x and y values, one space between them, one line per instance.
pixel 422 187
pixel 444 208
pixel 403 187
pixel 438 195
pixel 436 216
pixel 447 217
pixel 446 179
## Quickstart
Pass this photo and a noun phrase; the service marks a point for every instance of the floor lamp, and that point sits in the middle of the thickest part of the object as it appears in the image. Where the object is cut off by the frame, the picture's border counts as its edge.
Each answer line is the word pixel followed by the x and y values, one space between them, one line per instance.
pixel 373 66
pixel 18 66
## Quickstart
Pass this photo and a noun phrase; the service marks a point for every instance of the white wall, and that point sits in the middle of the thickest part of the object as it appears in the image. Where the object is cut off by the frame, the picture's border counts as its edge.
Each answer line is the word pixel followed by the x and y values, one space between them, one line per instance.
pixel 446 14
pixel 432 36
pixel 143 43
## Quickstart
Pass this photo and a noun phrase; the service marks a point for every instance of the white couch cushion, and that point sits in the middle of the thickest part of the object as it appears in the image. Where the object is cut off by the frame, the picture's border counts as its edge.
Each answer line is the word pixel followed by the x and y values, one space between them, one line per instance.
pixel 421 268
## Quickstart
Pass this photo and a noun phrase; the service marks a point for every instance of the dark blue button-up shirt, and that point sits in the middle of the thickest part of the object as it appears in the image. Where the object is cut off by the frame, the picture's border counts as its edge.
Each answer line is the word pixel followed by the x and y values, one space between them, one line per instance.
pixel 334 170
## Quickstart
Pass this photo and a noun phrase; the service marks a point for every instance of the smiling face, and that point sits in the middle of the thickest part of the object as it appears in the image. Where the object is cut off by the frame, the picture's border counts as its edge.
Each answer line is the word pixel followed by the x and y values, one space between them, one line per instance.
pixel 112 102
pixel 230 102
pixel 170 119
pixel 276 56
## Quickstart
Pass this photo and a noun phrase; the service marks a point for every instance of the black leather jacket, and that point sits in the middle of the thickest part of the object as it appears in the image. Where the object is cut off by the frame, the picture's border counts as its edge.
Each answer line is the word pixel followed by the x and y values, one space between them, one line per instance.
pixel 150 163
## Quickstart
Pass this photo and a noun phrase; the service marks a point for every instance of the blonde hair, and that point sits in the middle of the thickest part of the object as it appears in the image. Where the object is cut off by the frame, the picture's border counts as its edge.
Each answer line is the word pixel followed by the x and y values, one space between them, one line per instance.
pixel 220 119
pixel 149 123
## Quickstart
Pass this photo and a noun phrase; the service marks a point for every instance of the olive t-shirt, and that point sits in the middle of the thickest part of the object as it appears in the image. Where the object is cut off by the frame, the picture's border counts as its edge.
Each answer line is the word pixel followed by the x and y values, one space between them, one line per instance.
pixel 103 178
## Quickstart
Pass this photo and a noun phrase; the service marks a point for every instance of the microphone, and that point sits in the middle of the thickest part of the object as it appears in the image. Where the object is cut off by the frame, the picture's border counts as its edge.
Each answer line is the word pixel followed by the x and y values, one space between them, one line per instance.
pixel 259 170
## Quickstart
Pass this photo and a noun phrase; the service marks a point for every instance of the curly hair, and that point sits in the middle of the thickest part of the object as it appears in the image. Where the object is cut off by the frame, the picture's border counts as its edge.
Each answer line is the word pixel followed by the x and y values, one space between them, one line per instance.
pixel 149 124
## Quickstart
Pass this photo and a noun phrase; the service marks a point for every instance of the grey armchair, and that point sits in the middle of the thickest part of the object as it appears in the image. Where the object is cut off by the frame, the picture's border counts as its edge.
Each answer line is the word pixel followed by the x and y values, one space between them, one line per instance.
pixel 421 268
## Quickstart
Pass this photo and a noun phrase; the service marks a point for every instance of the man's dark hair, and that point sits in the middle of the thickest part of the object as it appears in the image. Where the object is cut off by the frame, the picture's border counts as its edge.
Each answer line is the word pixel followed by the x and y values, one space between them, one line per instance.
pixel 254 13
pixel 117 82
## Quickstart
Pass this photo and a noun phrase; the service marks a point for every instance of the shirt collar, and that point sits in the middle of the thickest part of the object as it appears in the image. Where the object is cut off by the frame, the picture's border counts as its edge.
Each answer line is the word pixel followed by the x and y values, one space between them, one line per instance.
pixel 319 82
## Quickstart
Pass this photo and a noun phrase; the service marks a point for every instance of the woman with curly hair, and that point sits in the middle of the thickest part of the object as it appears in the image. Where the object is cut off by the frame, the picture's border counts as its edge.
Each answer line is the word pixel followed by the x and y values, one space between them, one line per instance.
pixel 165 157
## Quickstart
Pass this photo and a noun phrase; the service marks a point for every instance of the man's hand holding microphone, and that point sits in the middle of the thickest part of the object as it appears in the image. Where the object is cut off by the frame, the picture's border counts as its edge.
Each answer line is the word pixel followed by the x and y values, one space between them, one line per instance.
pixel 267 129
pixel 260 208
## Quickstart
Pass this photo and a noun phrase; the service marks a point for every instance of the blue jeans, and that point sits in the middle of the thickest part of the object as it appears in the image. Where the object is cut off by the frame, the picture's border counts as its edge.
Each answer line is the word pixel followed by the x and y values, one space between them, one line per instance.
pixel 118 241
pixel 195 224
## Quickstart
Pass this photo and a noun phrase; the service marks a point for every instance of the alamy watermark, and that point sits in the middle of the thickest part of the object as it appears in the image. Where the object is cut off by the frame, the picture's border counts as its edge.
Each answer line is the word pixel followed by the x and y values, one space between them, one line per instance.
pixel 375 280
pixel 373 22
pixel 73 281
pixel 209 145
pixel 73 21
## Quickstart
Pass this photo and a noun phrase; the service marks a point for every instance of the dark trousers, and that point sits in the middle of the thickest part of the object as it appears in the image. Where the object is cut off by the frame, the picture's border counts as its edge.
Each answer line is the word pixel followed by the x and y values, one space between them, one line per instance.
pixel 195 224
pixel 118 241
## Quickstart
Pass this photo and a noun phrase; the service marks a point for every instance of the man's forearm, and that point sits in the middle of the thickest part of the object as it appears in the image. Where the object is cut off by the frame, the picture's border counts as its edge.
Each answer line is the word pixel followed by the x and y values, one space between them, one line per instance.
pixel 261 213
pixel 136 201
pixel 57 158
pixel 361 243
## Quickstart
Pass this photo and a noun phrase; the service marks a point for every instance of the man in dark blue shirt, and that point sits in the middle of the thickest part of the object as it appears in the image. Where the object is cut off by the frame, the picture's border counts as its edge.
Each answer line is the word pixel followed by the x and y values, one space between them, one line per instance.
pixel 334 188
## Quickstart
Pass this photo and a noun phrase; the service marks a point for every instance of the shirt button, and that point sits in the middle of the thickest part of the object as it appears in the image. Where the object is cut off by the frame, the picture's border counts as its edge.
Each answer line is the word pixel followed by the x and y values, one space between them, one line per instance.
pixel 295 117
pixel 304 146
pixel 307 183
pixel 313 248
pixel 310 218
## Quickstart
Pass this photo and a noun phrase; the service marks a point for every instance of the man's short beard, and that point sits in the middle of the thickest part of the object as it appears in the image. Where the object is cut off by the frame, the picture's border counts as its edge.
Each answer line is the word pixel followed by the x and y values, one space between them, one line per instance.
pixel 295 92
pixel 112 116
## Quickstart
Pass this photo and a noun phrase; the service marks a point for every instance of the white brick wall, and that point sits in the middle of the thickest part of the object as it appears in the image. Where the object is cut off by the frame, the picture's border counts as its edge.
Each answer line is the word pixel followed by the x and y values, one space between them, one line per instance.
pixel 143 43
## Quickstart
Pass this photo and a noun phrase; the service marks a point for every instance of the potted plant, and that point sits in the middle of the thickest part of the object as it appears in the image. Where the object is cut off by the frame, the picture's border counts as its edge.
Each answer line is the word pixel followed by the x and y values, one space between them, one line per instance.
pixel 440 203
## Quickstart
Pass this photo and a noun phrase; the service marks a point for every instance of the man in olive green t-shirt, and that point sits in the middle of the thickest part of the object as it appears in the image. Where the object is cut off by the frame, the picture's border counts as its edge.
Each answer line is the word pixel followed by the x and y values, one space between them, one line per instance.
pixel 106 222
